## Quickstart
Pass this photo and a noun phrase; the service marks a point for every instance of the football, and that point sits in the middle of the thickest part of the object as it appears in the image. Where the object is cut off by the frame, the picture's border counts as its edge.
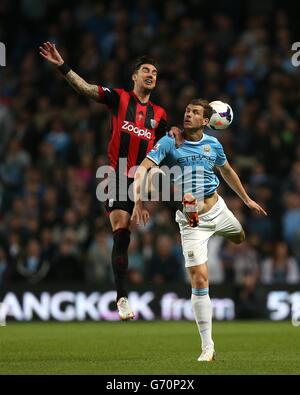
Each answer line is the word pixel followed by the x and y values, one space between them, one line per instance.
pixel 222 115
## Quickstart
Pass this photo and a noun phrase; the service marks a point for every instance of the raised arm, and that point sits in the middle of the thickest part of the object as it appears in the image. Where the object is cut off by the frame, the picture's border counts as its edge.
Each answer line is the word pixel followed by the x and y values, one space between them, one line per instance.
pixel 235 184
pixel 49 52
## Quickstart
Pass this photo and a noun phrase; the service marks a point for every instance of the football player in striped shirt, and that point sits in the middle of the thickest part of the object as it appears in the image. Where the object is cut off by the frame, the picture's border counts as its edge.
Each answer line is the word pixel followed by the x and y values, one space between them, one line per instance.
pixel 137 123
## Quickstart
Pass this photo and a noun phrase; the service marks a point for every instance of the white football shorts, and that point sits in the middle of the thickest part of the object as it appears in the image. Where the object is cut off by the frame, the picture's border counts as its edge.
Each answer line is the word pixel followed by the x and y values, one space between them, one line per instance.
pixel 219 220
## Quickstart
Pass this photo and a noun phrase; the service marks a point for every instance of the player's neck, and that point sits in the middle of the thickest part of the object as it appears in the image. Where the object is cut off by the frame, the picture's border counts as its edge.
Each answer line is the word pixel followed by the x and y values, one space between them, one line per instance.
pixel 142 95
pixel 193 134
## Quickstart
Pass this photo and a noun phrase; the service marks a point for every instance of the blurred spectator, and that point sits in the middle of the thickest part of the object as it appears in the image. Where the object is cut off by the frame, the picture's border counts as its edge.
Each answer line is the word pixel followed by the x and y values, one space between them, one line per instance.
pixel 32 265
pixel 291 217
pixel 15 163
pixel 227 257
pixel 261 226
pixel 98 266
pixel 47 244
pixel 164 266
pixel 4 265
pixel 52 140
pixel 248 298
pixel 59 139
pixel 147 245
pixel 245 261
pixel 14 246
pixel 136 272
pixel 67 265
pixel 281 268
pixel 6 126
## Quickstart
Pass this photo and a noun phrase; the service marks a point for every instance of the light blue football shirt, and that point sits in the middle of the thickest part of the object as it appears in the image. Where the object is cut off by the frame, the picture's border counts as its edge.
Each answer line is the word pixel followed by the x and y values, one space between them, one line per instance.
pixel 193 163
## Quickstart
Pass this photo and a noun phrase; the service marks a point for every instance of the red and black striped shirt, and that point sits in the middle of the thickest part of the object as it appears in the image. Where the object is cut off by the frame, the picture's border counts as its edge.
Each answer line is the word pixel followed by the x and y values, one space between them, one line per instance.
pixel 135 127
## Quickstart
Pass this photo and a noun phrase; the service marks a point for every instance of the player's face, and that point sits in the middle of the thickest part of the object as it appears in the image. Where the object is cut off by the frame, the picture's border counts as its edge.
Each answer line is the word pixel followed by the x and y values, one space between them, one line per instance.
pixel 193 117
pixel 145 77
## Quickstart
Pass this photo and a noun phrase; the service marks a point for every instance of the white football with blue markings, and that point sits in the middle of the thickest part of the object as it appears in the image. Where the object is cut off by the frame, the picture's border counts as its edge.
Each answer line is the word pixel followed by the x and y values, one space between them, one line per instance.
pixel 222 115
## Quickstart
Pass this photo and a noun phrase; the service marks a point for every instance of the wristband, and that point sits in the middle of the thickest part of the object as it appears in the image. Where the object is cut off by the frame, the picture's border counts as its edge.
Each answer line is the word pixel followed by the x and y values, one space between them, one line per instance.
pixel 64 68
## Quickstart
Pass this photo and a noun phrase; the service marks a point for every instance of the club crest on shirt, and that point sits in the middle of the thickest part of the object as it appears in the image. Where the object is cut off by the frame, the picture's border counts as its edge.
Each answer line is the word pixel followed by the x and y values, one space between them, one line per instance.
pixel 140 116
pixel 190 254
pixel 155 148
pixel 152 123
pixel 206 149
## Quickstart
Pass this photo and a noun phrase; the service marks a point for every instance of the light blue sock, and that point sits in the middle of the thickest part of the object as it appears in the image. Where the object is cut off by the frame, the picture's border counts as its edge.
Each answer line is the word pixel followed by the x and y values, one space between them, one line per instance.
pixel 202 309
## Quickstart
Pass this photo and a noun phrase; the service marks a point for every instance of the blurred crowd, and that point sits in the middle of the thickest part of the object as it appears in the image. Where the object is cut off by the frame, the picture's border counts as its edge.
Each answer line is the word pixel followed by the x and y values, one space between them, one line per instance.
pixel 52 140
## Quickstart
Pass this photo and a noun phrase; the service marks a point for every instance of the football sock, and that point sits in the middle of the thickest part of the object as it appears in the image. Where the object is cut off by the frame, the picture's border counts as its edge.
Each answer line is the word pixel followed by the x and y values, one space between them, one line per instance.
pixel 202 309
pixel 120 259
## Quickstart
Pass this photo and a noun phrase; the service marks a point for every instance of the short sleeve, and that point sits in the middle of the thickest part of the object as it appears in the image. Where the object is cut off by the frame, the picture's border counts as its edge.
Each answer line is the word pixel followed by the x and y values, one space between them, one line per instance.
pixel 162 127
pixel 110 97
pixel 221 157
pixel 161 149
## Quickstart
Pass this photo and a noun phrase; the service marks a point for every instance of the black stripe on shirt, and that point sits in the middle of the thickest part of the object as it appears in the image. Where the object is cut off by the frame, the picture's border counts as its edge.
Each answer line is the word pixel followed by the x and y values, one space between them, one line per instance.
pixel 124 145
pixel 149 116
pixel 123 151
pixel 142 151
pixel 131 110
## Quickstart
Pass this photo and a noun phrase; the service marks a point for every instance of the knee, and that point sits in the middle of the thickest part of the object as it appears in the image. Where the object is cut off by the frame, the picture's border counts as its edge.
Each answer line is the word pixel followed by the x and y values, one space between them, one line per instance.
pixel 239 238
pixel 120 223
pixel 200 281
pixel 242 236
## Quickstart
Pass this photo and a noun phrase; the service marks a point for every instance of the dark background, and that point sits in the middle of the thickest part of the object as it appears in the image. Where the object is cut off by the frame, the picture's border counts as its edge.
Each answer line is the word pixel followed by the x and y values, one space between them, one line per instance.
pixel 52 228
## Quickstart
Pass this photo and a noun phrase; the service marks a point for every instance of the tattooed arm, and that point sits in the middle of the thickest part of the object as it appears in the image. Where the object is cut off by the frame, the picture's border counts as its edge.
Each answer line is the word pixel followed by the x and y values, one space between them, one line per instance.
pixel 49 52
pixel 81 86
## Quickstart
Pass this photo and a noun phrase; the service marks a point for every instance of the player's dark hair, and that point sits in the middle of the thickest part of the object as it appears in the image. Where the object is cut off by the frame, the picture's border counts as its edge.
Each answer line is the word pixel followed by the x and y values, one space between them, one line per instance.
pixel 207 108
pixel 145 59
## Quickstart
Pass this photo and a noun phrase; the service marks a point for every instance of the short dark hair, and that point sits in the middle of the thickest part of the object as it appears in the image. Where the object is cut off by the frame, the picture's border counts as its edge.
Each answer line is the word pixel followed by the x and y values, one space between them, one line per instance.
pixel 207 108
pixel 145 59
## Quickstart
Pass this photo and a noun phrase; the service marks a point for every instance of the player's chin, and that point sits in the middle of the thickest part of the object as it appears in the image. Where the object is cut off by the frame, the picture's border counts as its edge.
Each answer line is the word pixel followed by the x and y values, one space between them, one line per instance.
pixel 150 87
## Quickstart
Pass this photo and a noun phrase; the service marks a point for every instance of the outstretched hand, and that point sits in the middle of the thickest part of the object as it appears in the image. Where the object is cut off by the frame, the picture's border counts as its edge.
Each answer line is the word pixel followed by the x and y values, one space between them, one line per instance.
pixel 176 133
pixel 140 214
pixel 49 52
pixel 256 207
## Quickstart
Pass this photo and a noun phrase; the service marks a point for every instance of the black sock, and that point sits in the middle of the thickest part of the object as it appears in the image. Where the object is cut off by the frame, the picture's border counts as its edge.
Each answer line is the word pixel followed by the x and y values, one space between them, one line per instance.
pixel 120 259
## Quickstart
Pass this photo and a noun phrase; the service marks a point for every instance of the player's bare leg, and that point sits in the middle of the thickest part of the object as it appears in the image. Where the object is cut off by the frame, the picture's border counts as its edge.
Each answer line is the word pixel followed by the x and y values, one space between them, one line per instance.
pixel 202 309
pixel 237 238
pixel 120 222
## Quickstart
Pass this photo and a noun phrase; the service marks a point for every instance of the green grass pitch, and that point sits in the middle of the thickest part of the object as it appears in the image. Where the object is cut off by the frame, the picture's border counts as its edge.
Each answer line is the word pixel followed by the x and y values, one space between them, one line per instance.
pixel 147 348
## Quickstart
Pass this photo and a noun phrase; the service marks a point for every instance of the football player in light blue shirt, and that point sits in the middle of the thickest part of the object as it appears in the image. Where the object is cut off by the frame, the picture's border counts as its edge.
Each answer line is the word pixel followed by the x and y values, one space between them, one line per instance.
pixel 196 159
pixel 200 154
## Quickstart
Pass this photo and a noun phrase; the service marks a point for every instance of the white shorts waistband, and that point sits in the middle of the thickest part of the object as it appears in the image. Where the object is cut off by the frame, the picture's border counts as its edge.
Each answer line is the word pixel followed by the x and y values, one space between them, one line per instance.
pixel 216 209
